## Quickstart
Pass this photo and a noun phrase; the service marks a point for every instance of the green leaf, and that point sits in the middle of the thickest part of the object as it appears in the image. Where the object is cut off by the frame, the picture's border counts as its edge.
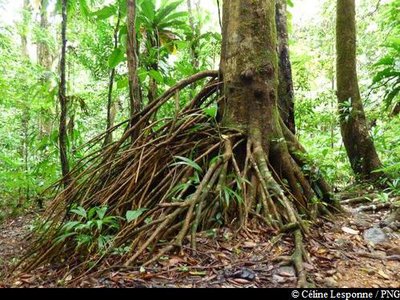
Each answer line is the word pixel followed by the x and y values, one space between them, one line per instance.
pixel 156 76
pixel 165 11
pixel 211 111
pixel 63 237
pixel 148 9
pixel 69 226
pixel 91 212
pixel 116 57
pixel 122 83
pixel 80 211
pixel 132 215
pixel 385 61
pixel 101 212
pixel 105 12
pixel 84 8
pixel 187 162
pixel 84 239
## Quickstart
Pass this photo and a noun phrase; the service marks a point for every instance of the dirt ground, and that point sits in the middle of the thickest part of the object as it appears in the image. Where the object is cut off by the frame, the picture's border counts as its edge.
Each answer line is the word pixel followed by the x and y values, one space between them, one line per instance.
pixel 340 256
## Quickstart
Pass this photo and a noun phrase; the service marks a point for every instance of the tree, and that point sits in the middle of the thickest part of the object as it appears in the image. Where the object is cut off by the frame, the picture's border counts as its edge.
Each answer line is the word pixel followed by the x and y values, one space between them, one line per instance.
pixel 195 32
pixel 134 92
pixel 26 15
pixel 190 173
pixel 285 90
pixel 43 51
pixel 26 116
pixel 387 72
pixel 360 148
pixel 110 103
pixel 62 135
pixel 160 26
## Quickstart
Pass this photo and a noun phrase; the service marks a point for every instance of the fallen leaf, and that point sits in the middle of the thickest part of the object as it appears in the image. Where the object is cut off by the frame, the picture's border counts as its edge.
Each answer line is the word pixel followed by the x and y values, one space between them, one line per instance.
pixel 241 281
pixel 249 245
pixel 384 275
pixel 198 273
pixel 350 231
pixel 174 261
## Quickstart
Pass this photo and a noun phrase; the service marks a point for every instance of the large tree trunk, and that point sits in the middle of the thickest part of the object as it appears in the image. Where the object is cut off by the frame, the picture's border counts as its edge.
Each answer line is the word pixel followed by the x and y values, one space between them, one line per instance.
pixel 134 93
pixel 62 135
pixel 359 145
pixel 285 89
pixel 249 65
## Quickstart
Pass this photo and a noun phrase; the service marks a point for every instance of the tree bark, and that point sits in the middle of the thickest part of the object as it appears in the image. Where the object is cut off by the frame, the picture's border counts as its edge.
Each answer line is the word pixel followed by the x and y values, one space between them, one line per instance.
pixel 195 33
pixel 250 66
pixel 250 71
pixel 63 100
pixel 24 33
pixel 357 140
pixel 285 89
pixel 249 63
pixel 43 49
pixel 134 93
pixel 25 117
pixel 110 103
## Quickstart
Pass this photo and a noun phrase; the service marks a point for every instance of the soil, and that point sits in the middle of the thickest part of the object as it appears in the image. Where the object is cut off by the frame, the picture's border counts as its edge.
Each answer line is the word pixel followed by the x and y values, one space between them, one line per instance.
pixel 339 257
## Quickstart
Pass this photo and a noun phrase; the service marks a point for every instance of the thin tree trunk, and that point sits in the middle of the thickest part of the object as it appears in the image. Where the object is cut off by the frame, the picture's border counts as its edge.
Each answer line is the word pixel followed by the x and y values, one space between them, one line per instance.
pixel 134 92
pixel 63 138
pixel 357 140
pixel 43 49
pixel 193 49
pixel 44 60
pixel 24 33
pixel 285 90
pixel 25 118
pixel 110 103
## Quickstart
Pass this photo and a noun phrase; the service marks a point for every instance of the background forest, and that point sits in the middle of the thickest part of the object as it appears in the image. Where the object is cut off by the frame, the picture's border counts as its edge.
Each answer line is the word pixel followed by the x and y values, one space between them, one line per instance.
pixel 173 43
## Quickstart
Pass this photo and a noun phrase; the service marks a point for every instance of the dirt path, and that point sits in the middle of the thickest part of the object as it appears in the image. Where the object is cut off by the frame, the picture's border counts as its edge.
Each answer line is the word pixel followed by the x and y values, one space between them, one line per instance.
pixel 13 240
pixel 340 257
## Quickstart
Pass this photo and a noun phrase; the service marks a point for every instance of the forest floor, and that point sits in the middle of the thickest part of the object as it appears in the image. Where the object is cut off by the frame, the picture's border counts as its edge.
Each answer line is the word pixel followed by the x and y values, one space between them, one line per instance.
pixel 350 251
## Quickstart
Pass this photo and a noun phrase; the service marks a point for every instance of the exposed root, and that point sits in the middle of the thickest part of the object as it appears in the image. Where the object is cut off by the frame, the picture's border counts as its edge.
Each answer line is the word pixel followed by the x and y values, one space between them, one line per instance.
pixel 375 207
pixel 298 257
pixel 184 174
pixel 358 200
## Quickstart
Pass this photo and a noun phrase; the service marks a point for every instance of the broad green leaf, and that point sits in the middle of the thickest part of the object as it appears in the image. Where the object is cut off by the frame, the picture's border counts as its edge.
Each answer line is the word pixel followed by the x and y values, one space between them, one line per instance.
pixel 148 9
pixel 63 237
pixel 116 57
pixel 132 215
pixel 165 11
pixel 122 83
pixel 80 211
pixel 105 12
pixel 156 76
pixel 84 8
pixel 101 212
pixel 211 111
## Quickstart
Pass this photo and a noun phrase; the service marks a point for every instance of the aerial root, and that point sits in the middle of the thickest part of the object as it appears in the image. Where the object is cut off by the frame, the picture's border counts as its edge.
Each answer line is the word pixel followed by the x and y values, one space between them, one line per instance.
pixel 185 174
